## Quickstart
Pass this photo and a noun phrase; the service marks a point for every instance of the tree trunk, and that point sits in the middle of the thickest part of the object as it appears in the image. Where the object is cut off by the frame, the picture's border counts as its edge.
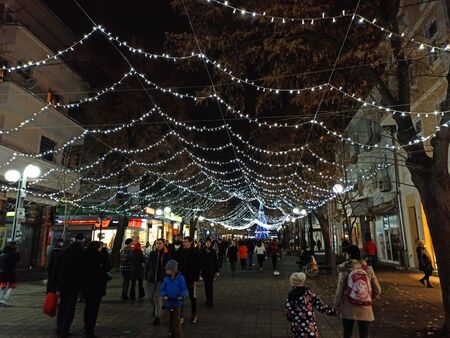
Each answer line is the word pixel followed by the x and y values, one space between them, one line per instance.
pixel 325 229
pixel 118 240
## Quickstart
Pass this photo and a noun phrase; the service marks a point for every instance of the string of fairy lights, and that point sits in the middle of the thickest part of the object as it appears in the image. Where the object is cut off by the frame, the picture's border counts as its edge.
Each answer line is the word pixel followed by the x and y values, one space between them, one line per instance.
pixel 214 181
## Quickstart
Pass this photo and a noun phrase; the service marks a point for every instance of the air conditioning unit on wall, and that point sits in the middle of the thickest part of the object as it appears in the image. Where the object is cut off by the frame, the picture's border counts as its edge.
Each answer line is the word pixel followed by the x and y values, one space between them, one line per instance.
pixel 384 184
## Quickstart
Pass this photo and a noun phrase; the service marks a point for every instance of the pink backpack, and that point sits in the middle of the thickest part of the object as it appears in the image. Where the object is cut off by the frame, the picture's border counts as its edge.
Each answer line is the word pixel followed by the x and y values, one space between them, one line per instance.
pixel 359 289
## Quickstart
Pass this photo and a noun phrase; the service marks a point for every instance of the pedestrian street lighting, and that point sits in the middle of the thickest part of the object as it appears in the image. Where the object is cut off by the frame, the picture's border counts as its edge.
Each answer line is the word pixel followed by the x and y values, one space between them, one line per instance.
pixel 287 219
pixel 338 188
pixel 201 218
pixel 159 212
pixel 167 210
pixel 14 176
pixel 303 212
pixel 296 211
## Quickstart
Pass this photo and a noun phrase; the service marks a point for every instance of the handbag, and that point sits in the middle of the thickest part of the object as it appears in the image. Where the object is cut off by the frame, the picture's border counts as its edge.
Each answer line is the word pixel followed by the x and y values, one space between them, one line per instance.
pixel 50 304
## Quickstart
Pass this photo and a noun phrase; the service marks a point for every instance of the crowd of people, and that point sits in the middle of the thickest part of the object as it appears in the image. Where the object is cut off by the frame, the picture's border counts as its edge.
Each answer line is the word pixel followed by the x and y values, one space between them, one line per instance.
pixel 80 272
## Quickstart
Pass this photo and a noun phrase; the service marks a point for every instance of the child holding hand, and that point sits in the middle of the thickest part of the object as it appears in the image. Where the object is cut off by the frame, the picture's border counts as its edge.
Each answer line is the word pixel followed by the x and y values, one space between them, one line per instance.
pixel 173 291
pixel 299 309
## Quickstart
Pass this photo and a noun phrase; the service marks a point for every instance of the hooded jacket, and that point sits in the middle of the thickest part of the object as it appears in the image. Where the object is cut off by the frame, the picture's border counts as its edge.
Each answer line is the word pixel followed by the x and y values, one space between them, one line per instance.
pixel 155 265
pixel 342 304
pixel 172 288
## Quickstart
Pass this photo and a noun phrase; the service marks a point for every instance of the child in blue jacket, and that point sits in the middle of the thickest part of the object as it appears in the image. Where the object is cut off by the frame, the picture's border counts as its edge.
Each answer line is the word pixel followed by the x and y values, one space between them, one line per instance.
pixel 173 291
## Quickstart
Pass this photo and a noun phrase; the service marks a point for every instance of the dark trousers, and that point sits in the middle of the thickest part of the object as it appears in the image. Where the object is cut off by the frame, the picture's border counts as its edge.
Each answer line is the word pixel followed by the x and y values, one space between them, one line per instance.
pixel 250 259
pixel 66 310
pixel 363 327
pixel 174 323
pixel 193 299
pixel 274 262
pixel 133 288
pixel 243 263
pixel 261 260
pixel 91 312
pixel 426 277
pixel 233 267
pixel 220 261
pixel 209 289
pixel 125 283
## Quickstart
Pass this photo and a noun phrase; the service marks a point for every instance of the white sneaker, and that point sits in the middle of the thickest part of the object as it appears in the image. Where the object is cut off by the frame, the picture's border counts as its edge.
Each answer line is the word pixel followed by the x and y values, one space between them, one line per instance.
pixel 276 273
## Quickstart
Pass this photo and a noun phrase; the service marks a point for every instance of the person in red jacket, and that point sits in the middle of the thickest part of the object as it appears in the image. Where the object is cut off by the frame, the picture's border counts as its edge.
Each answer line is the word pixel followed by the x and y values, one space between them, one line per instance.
pixel 371 250
pixel 243 253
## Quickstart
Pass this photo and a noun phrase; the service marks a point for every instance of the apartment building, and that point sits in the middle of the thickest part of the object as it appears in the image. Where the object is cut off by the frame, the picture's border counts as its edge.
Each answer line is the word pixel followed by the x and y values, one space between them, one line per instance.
pixel 388 207
pixel 30 31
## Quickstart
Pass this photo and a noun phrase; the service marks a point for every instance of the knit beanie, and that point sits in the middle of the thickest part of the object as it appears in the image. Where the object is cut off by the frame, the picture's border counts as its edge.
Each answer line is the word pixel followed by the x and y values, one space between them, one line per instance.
pixel 172 265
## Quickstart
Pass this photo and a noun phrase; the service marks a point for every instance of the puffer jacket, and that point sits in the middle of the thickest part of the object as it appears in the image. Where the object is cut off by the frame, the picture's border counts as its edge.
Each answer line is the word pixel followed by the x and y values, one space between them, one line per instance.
pixel 342 304
pixel 172 288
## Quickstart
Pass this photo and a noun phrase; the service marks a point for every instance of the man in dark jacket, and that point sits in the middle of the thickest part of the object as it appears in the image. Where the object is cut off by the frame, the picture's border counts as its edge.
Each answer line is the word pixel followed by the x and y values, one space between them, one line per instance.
pixel 53 257
pixel 221 253
pixel 125 267
pixel 189 266
pixel 155 273
pixel 209 267
pixel 232 255
pixel 68 280
pixel 8 260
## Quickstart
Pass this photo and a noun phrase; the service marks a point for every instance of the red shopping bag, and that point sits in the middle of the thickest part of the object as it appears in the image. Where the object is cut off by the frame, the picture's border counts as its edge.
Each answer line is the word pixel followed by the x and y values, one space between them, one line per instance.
pixel 50 304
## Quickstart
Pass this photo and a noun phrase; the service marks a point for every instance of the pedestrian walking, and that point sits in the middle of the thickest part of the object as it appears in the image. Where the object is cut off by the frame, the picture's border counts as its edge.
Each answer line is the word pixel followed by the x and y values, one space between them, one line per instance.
pixel 189 266
pixel 173 292
pixel 209 267
pixel 137 271
pixel 425 264
pixel 147 249
pixel 243 254
pixel 250 251
pixel 274 254
pixel 357 288
pixel 319 244
pixel 52 258
pixel 232 255
pixel 260 252
pixel 220 253
pixel 299 308
pixel 371 250
pixel 8 279
pixel 125 267
pixel 155 272
pixel 68 281
pixel 95 277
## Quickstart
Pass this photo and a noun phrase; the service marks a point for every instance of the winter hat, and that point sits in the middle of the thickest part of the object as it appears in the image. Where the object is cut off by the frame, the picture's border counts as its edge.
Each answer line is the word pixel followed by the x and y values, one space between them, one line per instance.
pixel 172 265
pixel 297 279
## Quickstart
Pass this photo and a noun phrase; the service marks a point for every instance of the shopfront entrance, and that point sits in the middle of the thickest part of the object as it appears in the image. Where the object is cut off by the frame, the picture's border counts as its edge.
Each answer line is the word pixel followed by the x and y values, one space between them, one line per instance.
pixel 388 238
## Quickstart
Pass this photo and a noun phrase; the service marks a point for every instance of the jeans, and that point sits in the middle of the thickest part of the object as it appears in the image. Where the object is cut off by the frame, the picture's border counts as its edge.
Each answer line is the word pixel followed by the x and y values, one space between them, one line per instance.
pixel 363 327
pixel 193 298
pixel 133 288
pixel 209 290
pixel 91 312
pixel 250 259
pixel 274 262
pixel 125 284
pixel 233 267
pixel 426 277
pixel 174 323
pixel 66 310
pixel 156 298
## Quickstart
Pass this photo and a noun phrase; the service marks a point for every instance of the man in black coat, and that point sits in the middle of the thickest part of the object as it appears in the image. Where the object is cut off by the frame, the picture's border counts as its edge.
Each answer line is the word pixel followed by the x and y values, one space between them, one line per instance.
pixel 209 267
pixel 8 261
pixel 189 266
pixel 53 257
pixel 154 274
pixel 68 280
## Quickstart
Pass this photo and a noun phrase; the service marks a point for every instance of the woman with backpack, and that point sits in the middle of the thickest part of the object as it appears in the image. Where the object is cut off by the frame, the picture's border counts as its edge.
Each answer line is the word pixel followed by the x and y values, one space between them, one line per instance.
pixel 357 288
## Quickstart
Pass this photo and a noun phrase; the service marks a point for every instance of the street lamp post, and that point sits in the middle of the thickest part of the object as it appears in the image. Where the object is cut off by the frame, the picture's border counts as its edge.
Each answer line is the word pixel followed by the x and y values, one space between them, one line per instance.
pixel 14 176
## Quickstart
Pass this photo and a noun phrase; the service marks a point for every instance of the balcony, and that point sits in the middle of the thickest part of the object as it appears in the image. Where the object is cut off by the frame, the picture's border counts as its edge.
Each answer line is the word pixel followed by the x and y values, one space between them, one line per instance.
pixel 16 105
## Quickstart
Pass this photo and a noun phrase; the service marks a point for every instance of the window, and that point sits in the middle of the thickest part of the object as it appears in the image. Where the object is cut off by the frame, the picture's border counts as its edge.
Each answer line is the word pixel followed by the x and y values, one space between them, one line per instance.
pixel 432 29
pixel 418 125
pixel 433 55
pixel 53 98
pixel 47 147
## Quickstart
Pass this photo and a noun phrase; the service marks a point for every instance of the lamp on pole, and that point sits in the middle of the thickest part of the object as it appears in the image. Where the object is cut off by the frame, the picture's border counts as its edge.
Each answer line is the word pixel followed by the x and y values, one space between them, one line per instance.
pixel 14 176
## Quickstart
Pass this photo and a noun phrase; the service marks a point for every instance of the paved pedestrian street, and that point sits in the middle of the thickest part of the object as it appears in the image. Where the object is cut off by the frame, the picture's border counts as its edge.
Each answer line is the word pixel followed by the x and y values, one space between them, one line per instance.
pixel 248 305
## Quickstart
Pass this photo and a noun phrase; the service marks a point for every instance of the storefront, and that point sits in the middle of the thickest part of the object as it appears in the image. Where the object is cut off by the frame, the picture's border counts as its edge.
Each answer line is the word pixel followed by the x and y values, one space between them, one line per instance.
pixel 388 238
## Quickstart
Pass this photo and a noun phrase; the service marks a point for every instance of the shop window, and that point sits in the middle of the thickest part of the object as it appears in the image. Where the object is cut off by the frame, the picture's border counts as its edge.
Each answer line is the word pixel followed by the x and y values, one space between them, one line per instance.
pixel 47 146
pixel 52 98
pixel 388 238
pixel 418 125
